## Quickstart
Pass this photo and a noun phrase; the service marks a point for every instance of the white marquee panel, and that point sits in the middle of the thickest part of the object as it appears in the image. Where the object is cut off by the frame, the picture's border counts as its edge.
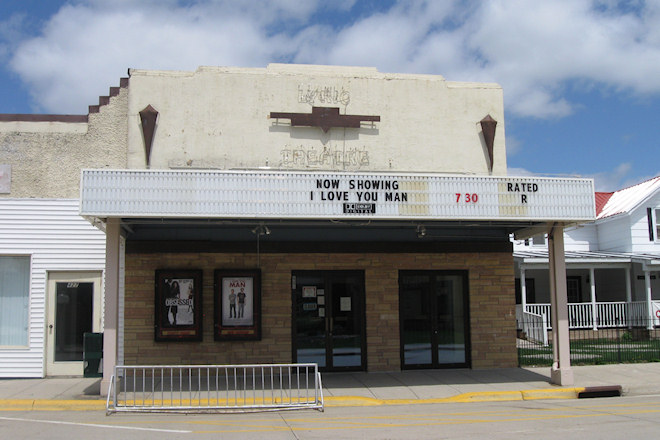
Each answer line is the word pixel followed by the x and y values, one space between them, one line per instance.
pixel 227 194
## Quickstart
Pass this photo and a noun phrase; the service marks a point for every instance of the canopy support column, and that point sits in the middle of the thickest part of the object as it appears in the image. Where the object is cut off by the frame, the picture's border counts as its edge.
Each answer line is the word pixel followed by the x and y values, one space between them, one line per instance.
pixel 629 311
pixel 561 373
pixel 649 298
pixel 594 305
pixel 523 290
pixel 110 323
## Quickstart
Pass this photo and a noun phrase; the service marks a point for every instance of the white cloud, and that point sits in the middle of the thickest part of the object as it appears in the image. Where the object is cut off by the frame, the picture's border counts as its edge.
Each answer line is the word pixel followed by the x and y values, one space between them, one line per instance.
pixel 520 172
pixel 513 146
pixel 86 49
pixel 607 181
pixel 10 33
pixel 534 49
pixel 615 179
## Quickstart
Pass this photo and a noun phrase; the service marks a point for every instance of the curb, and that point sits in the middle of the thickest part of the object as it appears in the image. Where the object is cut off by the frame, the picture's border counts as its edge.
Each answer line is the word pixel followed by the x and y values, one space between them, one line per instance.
pixel 51 405
pixel 329 401
pixel 480 396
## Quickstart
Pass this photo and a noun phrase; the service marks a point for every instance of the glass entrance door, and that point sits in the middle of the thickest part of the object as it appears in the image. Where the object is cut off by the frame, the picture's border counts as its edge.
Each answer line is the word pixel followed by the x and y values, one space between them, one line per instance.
pixel 328 319
pixel 73 317
pixel 74 308
pixel 433 317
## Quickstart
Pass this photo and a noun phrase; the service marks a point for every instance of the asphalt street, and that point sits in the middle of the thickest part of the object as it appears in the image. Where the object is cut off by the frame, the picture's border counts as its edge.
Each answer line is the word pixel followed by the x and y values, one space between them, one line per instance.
pixel 602 418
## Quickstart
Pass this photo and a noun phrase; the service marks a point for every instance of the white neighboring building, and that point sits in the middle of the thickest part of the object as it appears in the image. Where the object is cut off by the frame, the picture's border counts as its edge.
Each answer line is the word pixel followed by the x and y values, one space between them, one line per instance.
pixel 612 264
pixel 52 260
pixel 45 245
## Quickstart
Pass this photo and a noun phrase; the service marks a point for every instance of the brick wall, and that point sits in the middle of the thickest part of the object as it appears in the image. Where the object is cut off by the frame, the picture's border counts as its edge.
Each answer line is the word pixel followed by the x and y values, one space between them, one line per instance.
pixel 492 305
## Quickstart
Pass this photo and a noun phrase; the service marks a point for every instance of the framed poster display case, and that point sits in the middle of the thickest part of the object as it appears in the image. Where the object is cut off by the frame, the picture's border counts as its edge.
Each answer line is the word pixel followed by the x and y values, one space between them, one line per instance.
pixel 178 305
pixel 237 295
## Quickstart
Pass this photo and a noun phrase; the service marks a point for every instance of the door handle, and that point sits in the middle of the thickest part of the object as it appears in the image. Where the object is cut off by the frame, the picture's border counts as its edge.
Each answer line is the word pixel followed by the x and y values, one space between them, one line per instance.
pixel 50 328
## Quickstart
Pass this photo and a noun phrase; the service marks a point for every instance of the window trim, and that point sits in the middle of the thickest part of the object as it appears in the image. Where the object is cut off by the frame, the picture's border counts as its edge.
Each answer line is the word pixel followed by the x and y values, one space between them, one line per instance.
pixel 29 305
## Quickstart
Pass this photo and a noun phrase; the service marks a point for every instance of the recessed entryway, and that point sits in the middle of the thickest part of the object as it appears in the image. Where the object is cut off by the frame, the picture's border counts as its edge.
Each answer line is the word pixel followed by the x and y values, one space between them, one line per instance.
pixel 433 313
pixel 74 308
pixel 328 319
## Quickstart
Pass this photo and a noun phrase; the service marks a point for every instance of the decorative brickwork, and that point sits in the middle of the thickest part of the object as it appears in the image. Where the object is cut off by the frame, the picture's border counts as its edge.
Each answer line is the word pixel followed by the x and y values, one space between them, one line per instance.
pixel 492 305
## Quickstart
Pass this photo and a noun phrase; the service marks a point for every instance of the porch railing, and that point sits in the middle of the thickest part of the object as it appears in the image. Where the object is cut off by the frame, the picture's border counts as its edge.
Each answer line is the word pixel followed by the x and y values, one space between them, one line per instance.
pixel 603 315
pixel 534 326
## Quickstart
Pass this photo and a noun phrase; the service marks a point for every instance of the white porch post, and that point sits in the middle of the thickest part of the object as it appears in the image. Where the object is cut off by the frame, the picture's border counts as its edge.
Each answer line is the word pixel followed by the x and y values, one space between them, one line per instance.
pixel 594 306
pixel 629 307
pixel 561 372
pixel 523 290
pixel 110 322
pixel 649 298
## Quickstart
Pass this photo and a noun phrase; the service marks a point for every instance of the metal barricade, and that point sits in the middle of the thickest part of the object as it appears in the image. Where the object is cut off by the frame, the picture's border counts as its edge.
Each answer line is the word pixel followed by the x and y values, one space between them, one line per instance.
pixel 215 388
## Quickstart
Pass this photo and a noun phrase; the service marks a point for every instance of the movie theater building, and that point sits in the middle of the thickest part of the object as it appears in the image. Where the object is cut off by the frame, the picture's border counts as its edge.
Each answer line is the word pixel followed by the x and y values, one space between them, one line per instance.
pixel 357 219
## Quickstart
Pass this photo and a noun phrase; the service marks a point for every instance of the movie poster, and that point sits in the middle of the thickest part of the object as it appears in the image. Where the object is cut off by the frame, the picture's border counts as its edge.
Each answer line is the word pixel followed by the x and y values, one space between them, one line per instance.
pixel 178 305
pixel 238 301
pixel 237 305
pixel 179 302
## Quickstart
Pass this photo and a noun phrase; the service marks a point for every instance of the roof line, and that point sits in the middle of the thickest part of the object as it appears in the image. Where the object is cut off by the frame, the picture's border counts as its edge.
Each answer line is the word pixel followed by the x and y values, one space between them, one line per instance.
pixel 26 117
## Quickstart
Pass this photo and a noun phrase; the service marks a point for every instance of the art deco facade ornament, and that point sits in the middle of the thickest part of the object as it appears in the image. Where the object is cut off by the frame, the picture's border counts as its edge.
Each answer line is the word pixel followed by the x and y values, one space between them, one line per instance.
pixel 148 117
pixel 488 125
pixel 324 117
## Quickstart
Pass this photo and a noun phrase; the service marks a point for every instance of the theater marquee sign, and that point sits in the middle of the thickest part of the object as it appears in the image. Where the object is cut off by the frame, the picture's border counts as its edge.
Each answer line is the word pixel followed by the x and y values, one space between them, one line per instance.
pixel 227 194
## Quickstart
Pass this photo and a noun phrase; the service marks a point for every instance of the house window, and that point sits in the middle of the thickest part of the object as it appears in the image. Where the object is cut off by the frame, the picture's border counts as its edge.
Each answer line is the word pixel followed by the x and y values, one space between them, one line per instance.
pixel 529 289
pixel 657 224
pixel 14 300
pixel 537 240
pixel 574 289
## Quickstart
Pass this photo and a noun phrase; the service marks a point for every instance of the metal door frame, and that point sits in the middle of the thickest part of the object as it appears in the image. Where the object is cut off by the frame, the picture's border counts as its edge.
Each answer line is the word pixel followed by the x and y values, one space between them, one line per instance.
pixel 434 275
pixel 68 368
pixel 327 276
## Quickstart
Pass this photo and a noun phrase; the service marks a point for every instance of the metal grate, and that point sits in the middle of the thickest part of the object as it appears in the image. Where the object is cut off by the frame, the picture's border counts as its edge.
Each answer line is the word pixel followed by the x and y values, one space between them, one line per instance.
pixel 215 388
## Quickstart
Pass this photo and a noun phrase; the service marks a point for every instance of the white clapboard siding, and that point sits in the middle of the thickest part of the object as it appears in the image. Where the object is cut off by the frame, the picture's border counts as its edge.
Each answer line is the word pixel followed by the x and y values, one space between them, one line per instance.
pixel 56 238
pixel 581 238
pixel 641 241
pixel 614 234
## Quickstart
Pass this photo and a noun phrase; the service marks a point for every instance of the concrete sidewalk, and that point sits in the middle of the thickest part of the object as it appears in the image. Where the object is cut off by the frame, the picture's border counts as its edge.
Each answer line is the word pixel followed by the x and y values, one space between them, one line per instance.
pixel 348 389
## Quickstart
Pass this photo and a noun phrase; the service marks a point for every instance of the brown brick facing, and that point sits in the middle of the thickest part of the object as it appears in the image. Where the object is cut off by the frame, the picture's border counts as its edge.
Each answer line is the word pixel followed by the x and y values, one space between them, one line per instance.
pixel 491 306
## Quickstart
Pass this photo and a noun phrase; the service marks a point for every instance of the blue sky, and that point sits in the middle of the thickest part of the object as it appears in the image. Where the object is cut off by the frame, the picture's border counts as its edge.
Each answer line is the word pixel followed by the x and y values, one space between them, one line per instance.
pixel 581 78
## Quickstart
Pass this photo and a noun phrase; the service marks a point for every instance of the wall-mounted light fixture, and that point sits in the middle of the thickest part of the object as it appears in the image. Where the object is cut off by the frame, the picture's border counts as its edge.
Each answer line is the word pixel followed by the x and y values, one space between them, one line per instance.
pixel 260 230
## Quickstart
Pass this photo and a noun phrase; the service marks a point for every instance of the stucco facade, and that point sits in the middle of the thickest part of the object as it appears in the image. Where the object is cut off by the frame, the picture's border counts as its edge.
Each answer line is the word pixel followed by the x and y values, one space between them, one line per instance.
pixel 47 152
pixel 218 118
